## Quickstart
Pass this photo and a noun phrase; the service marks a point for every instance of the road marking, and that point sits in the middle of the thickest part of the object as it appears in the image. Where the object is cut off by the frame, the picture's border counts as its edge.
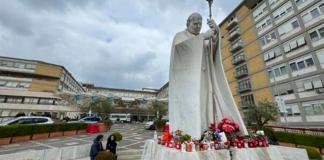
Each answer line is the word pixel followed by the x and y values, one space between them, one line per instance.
pixel 42 144
pixel 71 143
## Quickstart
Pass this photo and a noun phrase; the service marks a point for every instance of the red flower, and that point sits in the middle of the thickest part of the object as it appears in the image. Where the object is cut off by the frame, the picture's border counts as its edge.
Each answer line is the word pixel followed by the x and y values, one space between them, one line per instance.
pixel 228 128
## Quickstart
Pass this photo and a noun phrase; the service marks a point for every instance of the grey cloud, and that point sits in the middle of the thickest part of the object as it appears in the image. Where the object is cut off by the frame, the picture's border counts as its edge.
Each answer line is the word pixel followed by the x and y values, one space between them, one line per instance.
pixel 114 43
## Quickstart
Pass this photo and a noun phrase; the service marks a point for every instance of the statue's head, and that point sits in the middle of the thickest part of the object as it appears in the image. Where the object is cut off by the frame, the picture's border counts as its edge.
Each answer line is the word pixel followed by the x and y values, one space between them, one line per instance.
pixel 194 22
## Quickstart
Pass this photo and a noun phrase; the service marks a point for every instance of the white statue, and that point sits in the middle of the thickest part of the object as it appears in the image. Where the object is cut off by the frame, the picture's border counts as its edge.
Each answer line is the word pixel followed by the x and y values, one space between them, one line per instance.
pixel 198 90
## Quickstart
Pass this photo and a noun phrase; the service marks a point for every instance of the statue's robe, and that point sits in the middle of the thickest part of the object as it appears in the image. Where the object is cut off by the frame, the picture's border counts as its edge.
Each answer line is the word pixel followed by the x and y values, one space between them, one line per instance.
pixel 194 77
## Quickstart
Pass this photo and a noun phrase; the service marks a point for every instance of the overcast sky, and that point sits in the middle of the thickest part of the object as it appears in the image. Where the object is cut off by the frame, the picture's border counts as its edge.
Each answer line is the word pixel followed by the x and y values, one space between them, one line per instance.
pixel 111 43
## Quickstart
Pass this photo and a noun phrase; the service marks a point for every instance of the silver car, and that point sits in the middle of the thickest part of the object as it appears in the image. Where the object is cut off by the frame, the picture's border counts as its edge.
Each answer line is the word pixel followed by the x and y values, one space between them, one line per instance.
pixel 28 120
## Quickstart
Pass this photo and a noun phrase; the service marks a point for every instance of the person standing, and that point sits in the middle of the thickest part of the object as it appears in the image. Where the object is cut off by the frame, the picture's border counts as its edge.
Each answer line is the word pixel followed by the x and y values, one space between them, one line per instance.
pixel 96 147
pixel 112 145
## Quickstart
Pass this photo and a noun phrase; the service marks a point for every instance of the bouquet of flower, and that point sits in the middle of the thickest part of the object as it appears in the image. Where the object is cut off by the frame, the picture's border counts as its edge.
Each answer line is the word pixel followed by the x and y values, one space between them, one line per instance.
pixel 229 127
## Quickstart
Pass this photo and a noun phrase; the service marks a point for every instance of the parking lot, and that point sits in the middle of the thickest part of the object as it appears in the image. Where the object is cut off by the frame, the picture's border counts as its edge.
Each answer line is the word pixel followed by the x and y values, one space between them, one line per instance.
pixel 130 148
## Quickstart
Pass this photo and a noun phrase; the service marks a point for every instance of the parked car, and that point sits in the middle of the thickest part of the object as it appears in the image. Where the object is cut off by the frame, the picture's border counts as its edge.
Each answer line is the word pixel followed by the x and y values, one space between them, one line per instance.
pixel 90 119
pixel 28 120
pixel 149 125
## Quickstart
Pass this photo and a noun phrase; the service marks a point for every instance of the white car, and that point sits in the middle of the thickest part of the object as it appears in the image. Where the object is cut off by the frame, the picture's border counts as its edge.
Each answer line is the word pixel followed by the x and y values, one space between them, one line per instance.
pixel 28 120
pixel 149 125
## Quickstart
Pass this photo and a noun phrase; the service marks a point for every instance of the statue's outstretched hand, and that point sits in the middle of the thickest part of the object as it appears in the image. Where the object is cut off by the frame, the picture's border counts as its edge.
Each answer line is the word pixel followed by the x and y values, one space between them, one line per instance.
pixel 212 25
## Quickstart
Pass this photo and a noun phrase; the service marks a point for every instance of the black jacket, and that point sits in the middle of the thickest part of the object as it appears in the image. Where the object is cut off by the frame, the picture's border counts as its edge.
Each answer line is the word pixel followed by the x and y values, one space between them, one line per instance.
pixel 111 146
pixel 95 148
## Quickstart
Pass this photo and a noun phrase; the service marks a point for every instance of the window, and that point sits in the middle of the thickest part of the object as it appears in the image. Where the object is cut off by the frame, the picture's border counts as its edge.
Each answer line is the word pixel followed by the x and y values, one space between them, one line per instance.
pixel 294 44
pixel 262 25
pixel 3 83
pixel 277 71
pixel 321 7
pixel 315 13
pixel 241 70
pixel 288 27
pixel 272 54
pixel 309 84
pixel 14 100
pixel 30 66
pixel 313 108
pixel 247 100
pixel 320 56
pixel 244 84
pixel 268 38
pixel 260 11
pixel 283 10
pixel 301 63
pixel 317 34
pixel 312 13
pixel 31 100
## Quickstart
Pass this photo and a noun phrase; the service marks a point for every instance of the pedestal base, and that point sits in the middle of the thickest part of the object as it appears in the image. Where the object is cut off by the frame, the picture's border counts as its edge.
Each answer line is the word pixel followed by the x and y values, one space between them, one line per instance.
pixel 154 151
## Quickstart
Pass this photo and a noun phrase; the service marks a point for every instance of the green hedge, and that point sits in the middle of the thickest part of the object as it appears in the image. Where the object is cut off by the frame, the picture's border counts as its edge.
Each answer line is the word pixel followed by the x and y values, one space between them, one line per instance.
pixel 312 152
pixel 7 131
pixel 300 139
pixel 22 130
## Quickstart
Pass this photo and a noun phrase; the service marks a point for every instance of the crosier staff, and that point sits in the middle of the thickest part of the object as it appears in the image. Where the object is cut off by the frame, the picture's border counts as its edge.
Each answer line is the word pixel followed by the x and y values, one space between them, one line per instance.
pixel 211 60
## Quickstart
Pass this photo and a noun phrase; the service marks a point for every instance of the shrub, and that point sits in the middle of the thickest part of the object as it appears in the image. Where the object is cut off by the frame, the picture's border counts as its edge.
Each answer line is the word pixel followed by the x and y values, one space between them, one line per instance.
pixel 118 136
pixel 285 137
pixel 270 133
pixel 159 123
pixel 312 152
pixel 300 139
pixel 7 131
pixel 41 128
pixel 107 122
pixel 23 130
pixel 104 155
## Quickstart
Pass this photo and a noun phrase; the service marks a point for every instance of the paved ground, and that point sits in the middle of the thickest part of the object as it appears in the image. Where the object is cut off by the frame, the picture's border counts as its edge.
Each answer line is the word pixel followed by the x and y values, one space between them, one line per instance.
pixel 130 148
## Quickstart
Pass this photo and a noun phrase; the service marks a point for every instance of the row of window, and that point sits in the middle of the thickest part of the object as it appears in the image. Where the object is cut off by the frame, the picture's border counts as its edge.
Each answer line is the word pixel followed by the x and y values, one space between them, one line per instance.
pixel 295 65
pixel 27 100
pixel 310 108
pixel 14 84
pixel 307 84
pixel 20 65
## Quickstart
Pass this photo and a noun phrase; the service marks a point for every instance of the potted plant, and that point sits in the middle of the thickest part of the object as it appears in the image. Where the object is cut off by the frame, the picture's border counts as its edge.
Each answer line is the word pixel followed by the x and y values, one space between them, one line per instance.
pixel 56 130
pixel 23 133
pixel 82 129
pixel 6 132
pixel 40 131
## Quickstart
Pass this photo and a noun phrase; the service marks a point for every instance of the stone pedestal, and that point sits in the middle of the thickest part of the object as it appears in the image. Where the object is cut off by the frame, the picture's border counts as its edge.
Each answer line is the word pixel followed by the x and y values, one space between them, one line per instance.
pixel 154 151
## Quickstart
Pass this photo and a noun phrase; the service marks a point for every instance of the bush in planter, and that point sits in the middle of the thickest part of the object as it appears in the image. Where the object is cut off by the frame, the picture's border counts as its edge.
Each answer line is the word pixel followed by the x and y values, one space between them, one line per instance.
pixel 23 130
pixel 118 136
pixel 159 123
pixel 108 122
pixel 270 133
pixel 104 155
pixel 7 131
pixel 41 128
pixel 312 152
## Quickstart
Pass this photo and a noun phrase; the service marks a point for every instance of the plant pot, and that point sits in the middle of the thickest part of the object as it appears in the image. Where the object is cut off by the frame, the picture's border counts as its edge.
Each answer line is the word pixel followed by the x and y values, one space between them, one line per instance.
pixel 56 134
pixel 82 131
pixel 37 136
pixel 69 133
pixel 4 141
pixel 102 127
pixel 18 139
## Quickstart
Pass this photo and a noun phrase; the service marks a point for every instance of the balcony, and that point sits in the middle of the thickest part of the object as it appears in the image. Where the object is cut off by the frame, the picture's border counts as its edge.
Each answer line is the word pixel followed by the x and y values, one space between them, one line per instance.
pixel 244 105
pixel 244 88
pixel 232 23
pixel 236 46
pixel 233 35
pixel 238 59
pixel 241 73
